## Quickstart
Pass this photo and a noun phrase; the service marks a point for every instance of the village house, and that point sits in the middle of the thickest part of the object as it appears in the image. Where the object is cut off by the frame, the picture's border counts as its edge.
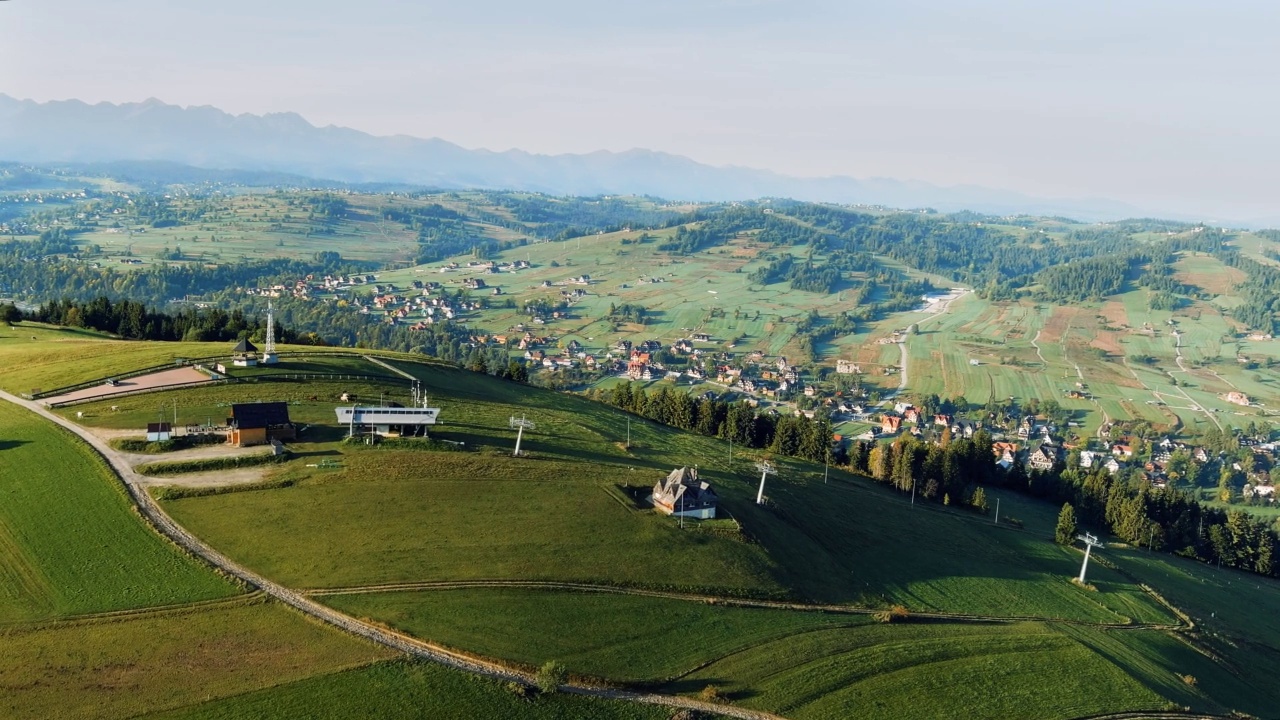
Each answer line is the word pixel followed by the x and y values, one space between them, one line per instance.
pixel 890 424
pixel 1122 450
pixel 1043 458
pixel 681 494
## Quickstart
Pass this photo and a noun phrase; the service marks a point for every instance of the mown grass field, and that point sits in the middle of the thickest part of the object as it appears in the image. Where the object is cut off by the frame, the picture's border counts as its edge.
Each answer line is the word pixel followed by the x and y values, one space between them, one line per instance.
pixel 402 689
pixel 926 671
pixel 69 542
pixel 615 636
pixel 123 666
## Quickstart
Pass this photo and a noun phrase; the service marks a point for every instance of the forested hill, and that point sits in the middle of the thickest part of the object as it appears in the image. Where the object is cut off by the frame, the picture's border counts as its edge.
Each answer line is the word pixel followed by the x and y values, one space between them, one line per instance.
pixel 193 239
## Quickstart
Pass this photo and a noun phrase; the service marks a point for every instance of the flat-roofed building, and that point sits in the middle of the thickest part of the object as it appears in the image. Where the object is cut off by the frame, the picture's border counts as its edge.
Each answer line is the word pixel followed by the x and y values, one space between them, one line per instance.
pixel 405 422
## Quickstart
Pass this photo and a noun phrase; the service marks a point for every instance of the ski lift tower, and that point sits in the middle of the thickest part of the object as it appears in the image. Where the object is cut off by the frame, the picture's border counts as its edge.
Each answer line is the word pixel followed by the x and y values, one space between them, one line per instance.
pixel 1090 542
pixel 519 424
pixel 766 470
pixel 269 356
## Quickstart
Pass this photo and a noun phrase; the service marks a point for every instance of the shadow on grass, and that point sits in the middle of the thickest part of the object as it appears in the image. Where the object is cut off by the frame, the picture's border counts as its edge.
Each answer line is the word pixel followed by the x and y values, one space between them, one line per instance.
pixel 11 444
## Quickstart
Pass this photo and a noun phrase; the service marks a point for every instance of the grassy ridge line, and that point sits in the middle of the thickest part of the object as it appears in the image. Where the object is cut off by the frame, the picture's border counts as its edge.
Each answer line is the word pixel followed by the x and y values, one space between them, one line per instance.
pixel 396 641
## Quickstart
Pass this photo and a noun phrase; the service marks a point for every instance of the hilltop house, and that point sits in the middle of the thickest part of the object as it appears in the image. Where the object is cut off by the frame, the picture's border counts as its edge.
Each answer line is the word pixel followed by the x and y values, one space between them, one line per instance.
pixel 683 495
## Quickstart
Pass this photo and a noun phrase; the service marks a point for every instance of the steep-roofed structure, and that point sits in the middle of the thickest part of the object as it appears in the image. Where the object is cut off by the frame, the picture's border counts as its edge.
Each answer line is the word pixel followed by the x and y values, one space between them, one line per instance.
pixel 682 494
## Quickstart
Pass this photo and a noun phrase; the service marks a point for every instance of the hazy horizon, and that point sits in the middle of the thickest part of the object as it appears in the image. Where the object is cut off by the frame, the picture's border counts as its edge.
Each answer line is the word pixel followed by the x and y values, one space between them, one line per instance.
pixel 1154 104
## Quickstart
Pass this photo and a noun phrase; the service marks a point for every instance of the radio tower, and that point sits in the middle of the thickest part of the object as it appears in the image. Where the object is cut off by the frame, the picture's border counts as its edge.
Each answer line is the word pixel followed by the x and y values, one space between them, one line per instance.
pixel 269 352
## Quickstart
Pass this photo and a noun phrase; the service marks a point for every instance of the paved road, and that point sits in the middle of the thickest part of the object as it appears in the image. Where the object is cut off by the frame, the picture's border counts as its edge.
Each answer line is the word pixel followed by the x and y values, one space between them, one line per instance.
pixel 396 641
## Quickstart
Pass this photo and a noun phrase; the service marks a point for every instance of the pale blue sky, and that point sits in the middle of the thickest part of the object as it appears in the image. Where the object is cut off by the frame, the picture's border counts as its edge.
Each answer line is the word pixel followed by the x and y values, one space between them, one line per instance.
pixel 1168 104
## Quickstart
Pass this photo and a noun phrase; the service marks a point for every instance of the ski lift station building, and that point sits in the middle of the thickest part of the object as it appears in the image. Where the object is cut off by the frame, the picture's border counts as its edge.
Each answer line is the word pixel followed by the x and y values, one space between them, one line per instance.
pixel 388 421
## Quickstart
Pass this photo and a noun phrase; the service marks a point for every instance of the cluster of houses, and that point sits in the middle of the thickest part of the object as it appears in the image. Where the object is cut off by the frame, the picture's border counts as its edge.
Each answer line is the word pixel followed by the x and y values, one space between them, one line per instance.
pixel 489 267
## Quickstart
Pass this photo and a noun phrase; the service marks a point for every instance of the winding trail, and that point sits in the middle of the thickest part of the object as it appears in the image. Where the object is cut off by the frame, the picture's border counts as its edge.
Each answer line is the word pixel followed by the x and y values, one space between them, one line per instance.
pixel 166 526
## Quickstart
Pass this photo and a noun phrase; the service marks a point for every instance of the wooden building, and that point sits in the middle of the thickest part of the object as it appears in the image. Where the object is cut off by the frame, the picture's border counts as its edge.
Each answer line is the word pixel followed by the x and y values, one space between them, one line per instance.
pixel 259 424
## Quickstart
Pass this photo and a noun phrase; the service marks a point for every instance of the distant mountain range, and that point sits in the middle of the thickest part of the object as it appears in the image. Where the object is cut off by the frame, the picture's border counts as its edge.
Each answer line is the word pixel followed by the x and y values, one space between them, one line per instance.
pixel 285 143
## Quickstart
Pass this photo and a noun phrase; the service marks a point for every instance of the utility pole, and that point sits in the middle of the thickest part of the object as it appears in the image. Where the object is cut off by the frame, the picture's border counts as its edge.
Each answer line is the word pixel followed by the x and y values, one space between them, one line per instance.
pixel 628 433
pixel 997 519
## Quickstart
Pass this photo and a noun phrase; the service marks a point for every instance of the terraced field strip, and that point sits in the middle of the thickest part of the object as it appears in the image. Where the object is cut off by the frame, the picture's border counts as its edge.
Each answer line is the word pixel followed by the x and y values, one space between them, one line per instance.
pixel 722 600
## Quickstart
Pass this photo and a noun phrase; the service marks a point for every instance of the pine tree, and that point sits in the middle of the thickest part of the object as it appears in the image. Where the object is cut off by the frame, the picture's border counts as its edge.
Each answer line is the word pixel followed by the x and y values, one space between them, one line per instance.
pixel 1065 532
pixel 979 501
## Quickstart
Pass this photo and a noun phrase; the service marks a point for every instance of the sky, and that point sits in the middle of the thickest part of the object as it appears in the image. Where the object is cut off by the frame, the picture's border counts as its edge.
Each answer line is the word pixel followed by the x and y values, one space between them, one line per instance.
pixel 1165 104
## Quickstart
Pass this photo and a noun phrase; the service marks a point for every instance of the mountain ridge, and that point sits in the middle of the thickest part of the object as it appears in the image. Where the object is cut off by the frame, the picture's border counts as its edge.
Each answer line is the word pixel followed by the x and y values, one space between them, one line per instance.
pixel 205 136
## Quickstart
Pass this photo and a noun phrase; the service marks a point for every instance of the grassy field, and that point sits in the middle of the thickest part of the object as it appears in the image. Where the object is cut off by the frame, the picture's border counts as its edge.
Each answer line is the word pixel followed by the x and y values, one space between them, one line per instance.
pixel 123 666
pixel 615 636
pixel 69 543
pixel 568 512
pixel 826 541
pixel 972 671
pixel 404 689
pixel 39 356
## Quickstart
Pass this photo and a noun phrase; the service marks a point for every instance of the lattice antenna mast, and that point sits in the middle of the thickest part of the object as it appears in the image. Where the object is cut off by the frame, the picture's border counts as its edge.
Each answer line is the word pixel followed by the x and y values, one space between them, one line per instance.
pixel 765 471
pixel 1090 542
pixel 519 424
pixel 270 349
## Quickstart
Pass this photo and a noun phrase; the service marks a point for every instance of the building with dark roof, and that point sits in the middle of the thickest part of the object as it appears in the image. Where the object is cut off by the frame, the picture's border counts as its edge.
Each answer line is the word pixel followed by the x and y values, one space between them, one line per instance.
pixel 244 354
pixel 682 494
pixel 159 432
pixel 259 423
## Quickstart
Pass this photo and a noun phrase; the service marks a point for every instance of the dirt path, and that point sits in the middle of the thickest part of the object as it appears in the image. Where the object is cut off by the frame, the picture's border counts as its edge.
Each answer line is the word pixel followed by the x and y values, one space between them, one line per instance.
pixel 904 360
pixel 156 516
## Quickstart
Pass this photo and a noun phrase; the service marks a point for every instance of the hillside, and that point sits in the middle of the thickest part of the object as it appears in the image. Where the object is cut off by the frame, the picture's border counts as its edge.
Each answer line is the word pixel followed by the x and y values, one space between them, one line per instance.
pixel 530 559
